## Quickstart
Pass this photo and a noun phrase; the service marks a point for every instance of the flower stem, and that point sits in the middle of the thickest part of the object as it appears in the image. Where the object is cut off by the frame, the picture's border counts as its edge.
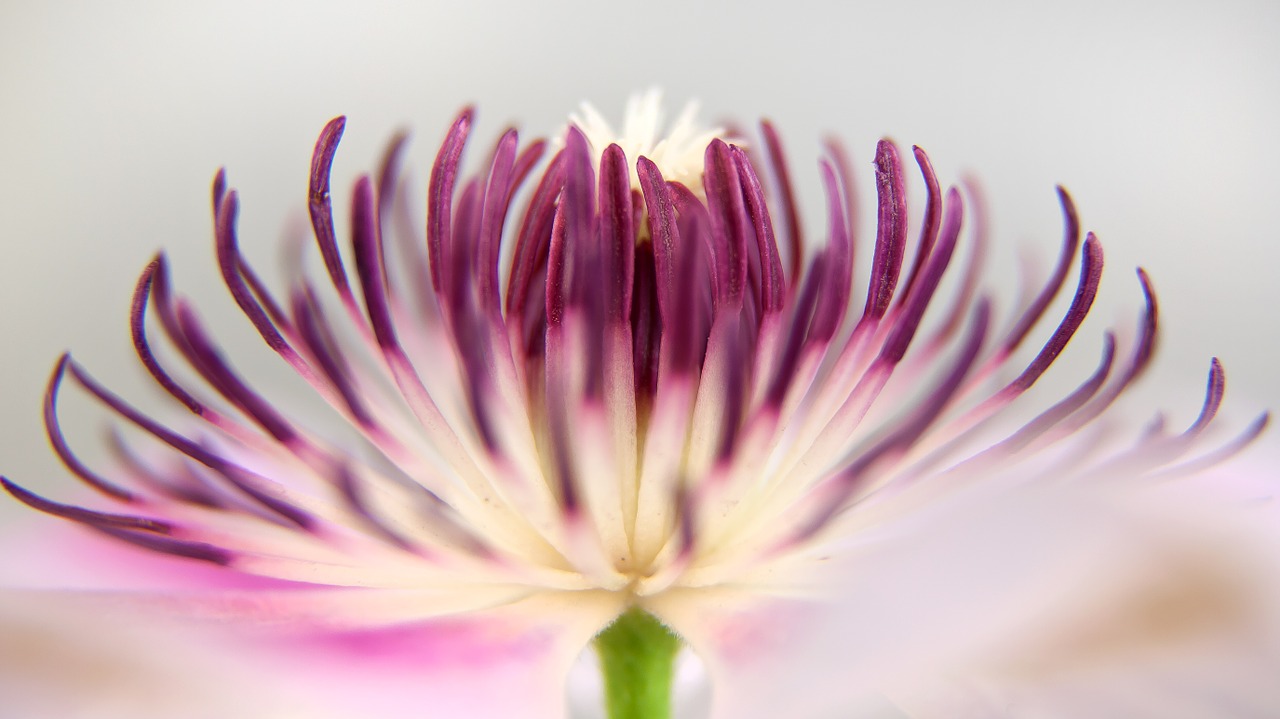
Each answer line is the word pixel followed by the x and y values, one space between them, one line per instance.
pixel 637 655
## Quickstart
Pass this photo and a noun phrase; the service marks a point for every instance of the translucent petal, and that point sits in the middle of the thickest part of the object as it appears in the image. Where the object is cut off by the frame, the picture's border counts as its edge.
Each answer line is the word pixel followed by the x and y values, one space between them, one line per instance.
pixel 1040 595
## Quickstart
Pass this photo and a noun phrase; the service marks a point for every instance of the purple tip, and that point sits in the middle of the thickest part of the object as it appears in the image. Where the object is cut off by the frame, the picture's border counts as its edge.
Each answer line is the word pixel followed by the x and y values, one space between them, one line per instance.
pixel 617 234
pixel 84 516
pixel 319 204
pixel 1215 388
pixel 1086 291
pixel 786 198
pixel 891 230
pixel 1036 310
pixel 444 177
pixel 59 441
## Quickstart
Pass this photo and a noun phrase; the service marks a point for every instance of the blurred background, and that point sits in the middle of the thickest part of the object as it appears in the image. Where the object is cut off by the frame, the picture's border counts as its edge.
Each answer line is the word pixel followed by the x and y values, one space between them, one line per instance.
pixel 1160 118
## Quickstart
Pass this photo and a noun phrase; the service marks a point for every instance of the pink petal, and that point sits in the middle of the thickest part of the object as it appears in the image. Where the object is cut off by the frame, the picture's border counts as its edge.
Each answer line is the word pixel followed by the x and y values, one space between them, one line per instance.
pixel 177 639
pixel 116 655
pixel 61 656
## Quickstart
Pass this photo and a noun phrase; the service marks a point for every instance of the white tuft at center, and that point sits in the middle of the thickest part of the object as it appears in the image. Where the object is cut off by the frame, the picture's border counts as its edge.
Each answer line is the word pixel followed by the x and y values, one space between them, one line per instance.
pixel 678 153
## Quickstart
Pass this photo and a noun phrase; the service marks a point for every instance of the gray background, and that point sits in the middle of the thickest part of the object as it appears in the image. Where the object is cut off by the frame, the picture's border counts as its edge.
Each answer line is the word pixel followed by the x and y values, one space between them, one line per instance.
pixel 1160 117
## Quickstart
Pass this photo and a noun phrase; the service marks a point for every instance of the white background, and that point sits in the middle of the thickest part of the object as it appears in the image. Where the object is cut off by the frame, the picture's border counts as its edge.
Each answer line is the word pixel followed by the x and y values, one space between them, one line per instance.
pixel 1160 117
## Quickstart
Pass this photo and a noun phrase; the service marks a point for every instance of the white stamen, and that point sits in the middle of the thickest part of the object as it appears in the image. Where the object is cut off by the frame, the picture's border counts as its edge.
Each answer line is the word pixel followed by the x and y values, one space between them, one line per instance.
pixel 678 153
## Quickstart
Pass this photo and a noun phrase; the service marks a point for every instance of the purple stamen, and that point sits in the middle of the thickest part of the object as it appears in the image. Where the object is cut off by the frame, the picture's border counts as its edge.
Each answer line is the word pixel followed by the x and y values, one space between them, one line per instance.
pixel 137 327
pixel 209 362
pixel 739 348
pixel 354 497
pixel 1143 351
pixel 59 441
pixel 459 279
pixel 580 280
pixel 675 319
pixel 786 199
pixel 493 214
pixel 389 173
pixel 772 282
pixel 411 250
pixel 198 551
pixel 237 476
pixel 185 486
pixel 219 190
pixel 1222 454
pixel 895 346
pixel 728 226
pixel 444 176
pixel 320 206
pixel 528 159
pixel 318 339
pixel 1063 409
pixel 1034 311
pixel 844 170
pixel 230 261
pixel 891 230
pixel 972 272
pixel 844 485
pixel 799 322
pixel 833 303
pixel 646 325
pixel 1215 388
pixel 85 516
pixel 1086 291
pixel 365 240
pixel 617 235
pixel 532 243
pixel 929 229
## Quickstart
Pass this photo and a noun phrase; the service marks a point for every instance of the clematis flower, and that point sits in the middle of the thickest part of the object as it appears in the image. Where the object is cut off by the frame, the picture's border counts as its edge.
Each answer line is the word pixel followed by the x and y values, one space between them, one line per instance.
pixel 617 402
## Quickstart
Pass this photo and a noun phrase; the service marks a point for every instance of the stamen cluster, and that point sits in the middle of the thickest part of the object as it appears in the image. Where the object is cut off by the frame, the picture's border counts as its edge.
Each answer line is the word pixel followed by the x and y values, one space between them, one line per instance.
pixel 659 388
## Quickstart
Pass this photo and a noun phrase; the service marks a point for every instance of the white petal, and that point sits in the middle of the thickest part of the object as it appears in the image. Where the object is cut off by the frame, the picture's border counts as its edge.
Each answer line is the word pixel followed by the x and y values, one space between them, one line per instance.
pixel 950 603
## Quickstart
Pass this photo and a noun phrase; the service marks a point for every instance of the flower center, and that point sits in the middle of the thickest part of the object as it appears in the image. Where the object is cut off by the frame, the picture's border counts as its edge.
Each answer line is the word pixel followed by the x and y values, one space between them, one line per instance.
pixel 678 153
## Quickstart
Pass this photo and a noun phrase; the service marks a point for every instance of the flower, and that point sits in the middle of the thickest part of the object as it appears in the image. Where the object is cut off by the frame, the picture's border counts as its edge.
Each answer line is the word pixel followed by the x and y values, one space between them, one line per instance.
pixel 638 411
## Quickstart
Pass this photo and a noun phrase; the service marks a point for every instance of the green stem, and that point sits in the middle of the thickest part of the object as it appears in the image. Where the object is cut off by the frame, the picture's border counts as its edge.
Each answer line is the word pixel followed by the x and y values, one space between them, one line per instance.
pixel 637 657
